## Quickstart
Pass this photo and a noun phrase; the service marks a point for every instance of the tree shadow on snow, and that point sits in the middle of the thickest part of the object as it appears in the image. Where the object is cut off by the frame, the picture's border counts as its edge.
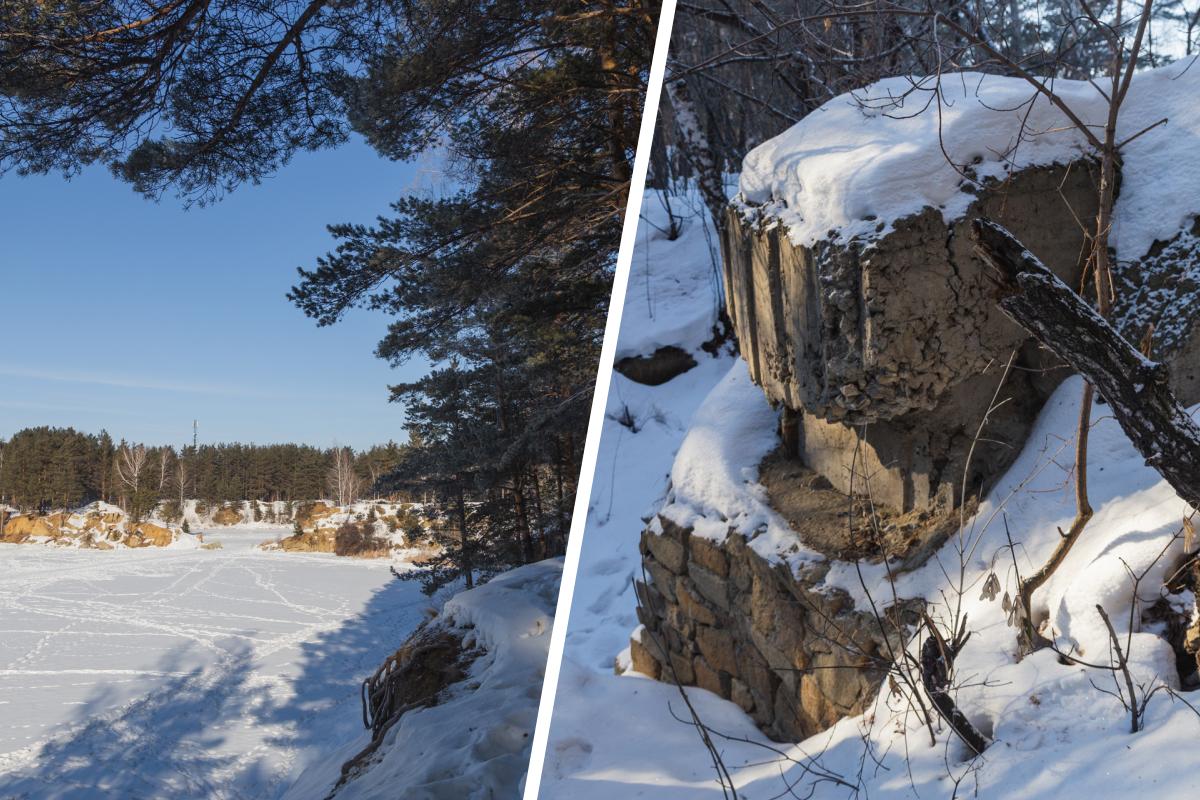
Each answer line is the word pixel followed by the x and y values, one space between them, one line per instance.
pixel 174 742
pixel 324 714
pixel 157 746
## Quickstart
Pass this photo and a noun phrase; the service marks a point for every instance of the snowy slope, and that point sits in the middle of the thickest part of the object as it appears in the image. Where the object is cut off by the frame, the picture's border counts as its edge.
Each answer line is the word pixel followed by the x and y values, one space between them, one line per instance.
pixel 1052 726
pixel 674 289
pixel 606 724
pixel 869 158
pixel 1056 734
pixel 475 744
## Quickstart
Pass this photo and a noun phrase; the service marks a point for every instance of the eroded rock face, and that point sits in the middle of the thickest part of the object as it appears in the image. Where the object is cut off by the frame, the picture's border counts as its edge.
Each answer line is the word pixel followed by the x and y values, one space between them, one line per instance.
pixel 227 515
pixel 1160 294
pixel 901 334
pixel 794 655
pixel 89 528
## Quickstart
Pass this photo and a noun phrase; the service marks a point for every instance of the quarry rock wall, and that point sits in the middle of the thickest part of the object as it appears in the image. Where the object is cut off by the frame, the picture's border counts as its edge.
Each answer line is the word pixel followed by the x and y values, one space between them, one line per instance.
pixel 901 335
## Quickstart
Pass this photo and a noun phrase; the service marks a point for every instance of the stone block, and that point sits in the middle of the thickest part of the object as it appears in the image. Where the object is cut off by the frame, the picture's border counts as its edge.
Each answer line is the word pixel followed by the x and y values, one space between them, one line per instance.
pixel 662 578
pixel 644 661
pixel 898 332
pixel 716 644
pixel 711 586
pixel 708 678
pixel 708 554
pixel 667 551
pixel 740 694
pixel 682 665
pixel 691 604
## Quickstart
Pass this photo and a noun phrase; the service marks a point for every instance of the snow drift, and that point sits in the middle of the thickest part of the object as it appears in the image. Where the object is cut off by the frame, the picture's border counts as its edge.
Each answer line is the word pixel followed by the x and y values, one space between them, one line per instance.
pixel 871 157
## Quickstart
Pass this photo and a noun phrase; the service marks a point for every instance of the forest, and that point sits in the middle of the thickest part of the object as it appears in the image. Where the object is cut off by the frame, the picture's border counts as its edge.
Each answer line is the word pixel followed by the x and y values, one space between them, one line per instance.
pixel 43 469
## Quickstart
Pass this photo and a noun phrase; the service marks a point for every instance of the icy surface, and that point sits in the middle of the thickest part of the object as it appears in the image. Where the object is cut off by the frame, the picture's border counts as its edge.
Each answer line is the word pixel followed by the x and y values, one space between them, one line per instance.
pixel 866 159
pixel 185 673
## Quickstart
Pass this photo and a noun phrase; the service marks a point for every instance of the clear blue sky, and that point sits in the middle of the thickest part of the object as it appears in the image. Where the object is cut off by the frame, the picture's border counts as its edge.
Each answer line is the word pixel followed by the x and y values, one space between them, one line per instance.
pixel 117 312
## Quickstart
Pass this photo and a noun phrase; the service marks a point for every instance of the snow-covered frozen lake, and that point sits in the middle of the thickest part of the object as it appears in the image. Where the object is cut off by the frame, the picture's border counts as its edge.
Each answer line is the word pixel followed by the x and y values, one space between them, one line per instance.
pixel 185 673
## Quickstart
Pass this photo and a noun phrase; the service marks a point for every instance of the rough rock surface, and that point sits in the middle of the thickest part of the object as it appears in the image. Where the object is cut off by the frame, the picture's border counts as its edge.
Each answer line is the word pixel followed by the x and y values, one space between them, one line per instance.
pixel 98 527
pixel 309 515
pixel 227 515
pixel 1161 293
pixel 899 333
pixel 794 655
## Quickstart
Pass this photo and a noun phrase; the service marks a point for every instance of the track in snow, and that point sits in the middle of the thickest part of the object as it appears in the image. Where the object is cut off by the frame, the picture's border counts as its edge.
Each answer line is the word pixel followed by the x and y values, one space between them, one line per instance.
pixel 216 674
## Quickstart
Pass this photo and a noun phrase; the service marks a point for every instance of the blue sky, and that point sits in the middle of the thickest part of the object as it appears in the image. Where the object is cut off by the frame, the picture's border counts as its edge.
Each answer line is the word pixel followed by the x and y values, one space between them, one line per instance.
pixel 121 313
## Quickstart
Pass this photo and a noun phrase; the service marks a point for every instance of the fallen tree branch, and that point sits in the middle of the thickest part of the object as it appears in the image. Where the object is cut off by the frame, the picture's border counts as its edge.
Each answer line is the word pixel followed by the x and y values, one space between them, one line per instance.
pixel 1134 386
pixel 937 664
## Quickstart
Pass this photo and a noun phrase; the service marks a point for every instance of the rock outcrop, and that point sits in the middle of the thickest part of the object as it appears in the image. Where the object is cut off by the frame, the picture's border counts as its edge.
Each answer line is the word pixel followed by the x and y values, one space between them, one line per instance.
pixel 227 515
pixel 796 656
pixel 899 334
pixel 658 368
pixel 98 526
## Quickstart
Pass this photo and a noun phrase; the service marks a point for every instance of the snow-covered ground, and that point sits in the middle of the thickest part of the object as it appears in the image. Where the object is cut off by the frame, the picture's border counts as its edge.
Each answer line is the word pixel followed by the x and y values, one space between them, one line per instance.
pixel 694 448
pixel 611 734
pixel 185 673
pixel 475 743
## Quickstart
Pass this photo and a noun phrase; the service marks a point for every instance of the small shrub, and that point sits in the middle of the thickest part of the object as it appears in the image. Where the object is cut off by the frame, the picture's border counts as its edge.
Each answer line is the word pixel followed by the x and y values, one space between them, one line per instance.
pixel 170 511
pixel 353 539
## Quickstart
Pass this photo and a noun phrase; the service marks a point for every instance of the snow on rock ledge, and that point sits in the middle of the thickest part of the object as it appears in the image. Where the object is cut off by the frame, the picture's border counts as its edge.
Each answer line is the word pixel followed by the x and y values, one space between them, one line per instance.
pixel 852 284
pixel 869 158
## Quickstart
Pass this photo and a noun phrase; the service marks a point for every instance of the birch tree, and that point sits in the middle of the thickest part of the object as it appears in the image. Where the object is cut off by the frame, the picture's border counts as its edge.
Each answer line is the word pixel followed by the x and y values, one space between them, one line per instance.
pixel 344 483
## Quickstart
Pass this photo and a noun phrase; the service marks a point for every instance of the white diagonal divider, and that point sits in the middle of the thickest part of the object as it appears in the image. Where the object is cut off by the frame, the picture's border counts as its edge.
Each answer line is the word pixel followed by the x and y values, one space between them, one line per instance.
pixel 641 161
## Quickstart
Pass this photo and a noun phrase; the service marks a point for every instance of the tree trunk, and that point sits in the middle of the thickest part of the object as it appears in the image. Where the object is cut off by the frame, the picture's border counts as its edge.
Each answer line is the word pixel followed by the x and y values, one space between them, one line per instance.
pixel 1134 387
pixel 696 148
pixel 521 512
pixel 466 566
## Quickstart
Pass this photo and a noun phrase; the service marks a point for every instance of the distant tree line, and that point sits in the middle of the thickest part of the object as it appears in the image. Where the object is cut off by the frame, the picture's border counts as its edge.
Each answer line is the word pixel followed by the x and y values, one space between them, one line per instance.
pixel 58 468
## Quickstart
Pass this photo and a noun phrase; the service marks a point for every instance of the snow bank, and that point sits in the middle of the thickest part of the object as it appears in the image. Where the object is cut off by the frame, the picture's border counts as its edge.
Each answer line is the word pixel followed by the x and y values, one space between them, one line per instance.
pixel 868 158
pixel 475 744
pixel 673 298
pixel 714 480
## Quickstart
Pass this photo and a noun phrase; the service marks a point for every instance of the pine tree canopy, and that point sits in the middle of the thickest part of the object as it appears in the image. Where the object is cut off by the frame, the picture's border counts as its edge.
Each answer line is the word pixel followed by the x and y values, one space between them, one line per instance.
pixel 503 284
